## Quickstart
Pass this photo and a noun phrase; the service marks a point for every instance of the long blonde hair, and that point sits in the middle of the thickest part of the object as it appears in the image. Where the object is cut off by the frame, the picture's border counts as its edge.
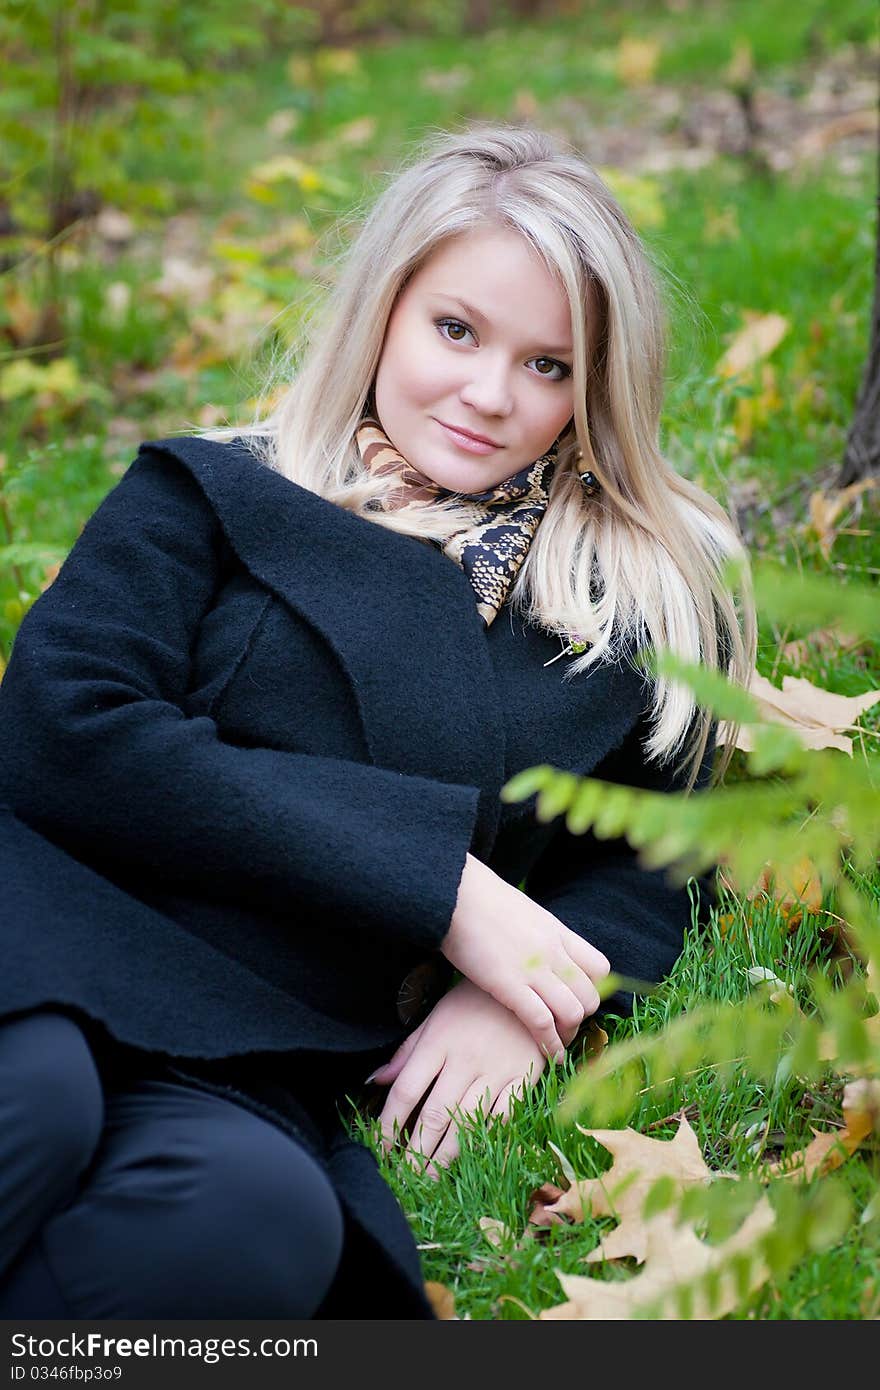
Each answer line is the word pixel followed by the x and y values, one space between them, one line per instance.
pixel 641 563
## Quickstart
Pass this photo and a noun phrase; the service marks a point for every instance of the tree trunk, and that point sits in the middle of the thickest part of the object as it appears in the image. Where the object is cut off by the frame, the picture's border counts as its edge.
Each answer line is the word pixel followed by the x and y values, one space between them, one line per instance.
pixel 862 454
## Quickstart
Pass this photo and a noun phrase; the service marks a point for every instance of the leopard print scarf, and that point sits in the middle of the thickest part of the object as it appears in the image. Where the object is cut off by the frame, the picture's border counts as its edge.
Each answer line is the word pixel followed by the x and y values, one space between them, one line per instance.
pixel 504 518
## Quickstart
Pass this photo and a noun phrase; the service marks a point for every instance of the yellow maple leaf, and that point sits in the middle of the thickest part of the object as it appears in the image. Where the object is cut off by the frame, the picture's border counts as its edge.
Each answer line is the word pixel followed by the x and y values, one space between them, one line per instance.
pixel 816 715
pixel 676 1261
pixel 761 334
pixel 793 887
pixel 828 1150
pixel 639 1162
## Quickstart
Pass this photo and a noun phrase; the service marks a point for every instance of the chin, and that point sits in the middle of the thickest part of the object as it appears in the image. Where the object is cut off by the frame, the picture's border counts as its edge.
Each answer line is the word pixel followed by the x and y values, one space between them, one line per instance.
pixel 458 479
pixel 457 469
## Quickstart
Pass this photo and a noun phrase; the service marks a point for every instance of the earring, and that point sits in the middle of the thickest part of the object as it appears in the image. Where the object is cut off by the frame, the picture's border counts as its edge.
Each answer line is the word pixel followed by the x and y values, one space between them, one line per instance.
pixel 589 480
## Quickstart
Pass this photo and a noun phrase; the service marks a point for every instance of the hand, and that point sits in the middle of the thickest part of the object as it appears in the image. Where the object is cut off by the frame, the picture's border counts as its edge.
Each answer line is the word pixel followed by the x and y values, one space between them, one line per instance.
pixel 522 955
pixel 472 1048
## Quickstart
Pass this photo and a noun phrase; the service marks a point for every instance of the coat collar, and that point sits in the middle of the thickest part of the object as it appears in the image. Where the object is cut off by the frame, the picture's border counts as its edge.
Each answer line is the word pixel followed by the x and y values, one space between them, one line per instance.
pixel 351 579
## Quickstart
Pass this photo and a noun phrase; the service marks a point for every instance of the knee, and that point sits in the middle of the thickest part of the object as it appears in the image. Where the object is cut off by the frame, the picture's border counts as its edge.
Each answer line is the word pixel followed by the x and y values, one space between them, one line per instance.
pixel 286 1226
pixel 50 1088
pixel 199 1209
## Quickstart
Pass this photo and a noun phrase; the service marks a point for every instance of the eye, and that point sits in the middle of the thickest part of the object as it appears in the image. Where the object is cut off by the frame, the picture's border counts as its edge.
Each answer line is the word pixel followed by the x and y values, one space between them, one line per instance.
pixel 452 323
pixel 563 367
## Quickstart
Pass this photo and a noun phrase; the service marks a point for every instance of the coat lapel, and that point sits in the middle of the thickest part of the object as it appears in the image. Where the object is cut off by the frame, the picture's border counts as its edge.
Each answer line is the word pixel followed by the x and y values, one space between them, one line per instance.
pixel 356 583
pixel 487 704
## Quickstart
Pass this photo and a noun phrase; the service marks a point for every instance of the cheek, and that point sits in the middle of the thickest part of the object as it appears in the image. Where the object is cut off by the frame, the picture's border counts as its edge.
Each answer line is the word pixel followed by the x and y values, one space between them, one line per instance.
pixel 565 412
pixel 410 366
pixel 550 412
pixel 422 371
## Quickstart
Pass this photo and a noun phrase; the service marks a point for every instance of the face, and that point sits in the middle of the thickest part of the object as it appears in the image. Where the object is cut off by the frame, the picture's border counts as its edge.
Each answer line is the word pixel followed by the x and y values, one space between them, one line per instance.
pixel 497 364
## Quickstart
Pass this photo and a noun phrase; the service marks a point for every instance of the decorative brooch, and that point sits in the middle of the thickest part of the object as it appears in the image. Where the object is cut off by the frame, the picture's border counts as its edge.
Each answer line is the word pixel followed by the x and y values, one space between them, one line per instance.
pixel 575 643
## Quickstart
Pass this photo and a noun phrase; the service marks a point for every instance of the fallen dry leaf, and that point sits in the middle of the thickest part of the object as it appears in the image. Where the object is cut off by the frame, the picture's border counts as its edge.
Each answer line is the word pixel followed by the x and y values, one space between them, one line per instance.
pixel 499 1236
pixel 791 892
pixel 827 1151
pixel 494 1230
pixel 869 1306
pixel 445 79
pixel 636 61
pixel 638 1163
pixel 826 507
pixel 751 412
pixel 21 314
pixel 543 1208
pixel 815 715
pixel 592 1037
pixel 525 105
pixel 675 1259
pixel 793 888
pixel 357 132
pixel 761 334
pixel 825 641
pixel 849 123
pixel 441 1299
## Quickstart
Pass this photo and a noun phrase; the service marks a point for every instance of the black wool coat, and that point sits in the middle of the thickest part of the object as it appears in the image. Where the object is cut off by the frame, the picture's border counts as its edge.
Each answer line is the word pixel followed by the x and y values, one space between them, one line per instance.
pixel 246 740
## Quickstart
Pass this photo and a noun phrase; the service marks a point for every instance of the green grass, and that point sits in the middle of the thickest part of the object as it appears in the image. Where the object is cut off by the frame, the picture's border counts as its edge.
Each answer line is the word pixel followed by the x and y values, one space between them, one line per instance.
pixel 501 1164
pixel 803 248
pixel 799 244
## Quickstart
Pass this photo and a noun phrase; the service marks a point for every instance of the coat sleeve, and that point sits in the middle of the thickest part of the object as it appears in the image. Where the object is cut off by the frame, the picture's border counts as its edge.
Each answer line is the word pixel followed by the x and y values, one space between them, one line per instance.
pixel 97 753
pixel 598 888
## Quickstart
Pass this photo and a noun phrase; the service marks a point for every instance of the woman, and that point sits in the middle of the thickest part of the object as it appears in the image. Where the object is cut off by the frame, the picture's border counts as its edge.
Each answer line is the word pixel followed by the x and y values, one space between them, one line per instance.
pixel 254 737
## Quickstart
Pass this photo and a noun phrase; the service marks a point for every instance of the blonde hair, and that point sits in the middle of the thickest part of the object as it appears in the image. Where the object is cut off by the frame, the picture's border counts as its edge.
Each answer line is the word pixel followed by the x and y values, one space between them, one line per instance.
pixel 642 562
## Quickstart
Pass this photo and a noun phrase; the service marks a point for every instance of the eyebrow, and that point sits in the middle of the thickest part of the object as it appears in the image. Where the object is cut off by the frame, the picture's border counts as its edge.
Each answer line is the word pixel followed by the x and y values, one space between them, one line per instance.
pixel 474 313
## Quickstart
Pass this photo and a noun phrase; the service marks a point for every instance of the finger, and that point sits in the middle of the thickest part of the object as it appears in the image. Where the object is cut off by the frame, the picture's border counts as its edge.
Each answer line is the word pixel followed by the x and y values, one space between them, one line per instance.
pixel 437 1114
pixel 586 956
pixel 584 993
pixel 420 1163
pixel 533 1014
pixel 406 1092
pixel 503 1105
pixel 475 1101
pixel 417 1161
pixel 445 1154
pixel 384 1074
pixel 569 1003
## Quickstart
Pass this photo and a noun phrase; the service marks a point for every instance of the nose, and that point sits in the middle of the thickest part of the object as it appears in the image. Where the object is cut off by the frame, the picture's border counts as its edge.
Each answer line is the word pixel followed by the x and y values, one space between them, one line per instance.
pixel 488 389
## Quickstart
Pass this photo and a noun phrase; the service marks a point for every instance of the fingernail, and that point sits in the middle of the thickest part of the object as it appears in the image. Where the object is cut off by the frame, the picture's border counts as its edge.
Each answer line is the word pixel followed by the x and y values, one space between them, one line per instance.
pixel 372 1074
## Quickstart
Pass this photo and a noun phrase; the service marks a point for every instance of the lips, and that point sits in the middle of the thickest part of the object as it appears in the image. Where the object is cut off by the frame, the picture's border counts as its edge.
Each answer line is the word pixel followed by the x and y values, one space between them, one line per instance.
pixel 469 434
